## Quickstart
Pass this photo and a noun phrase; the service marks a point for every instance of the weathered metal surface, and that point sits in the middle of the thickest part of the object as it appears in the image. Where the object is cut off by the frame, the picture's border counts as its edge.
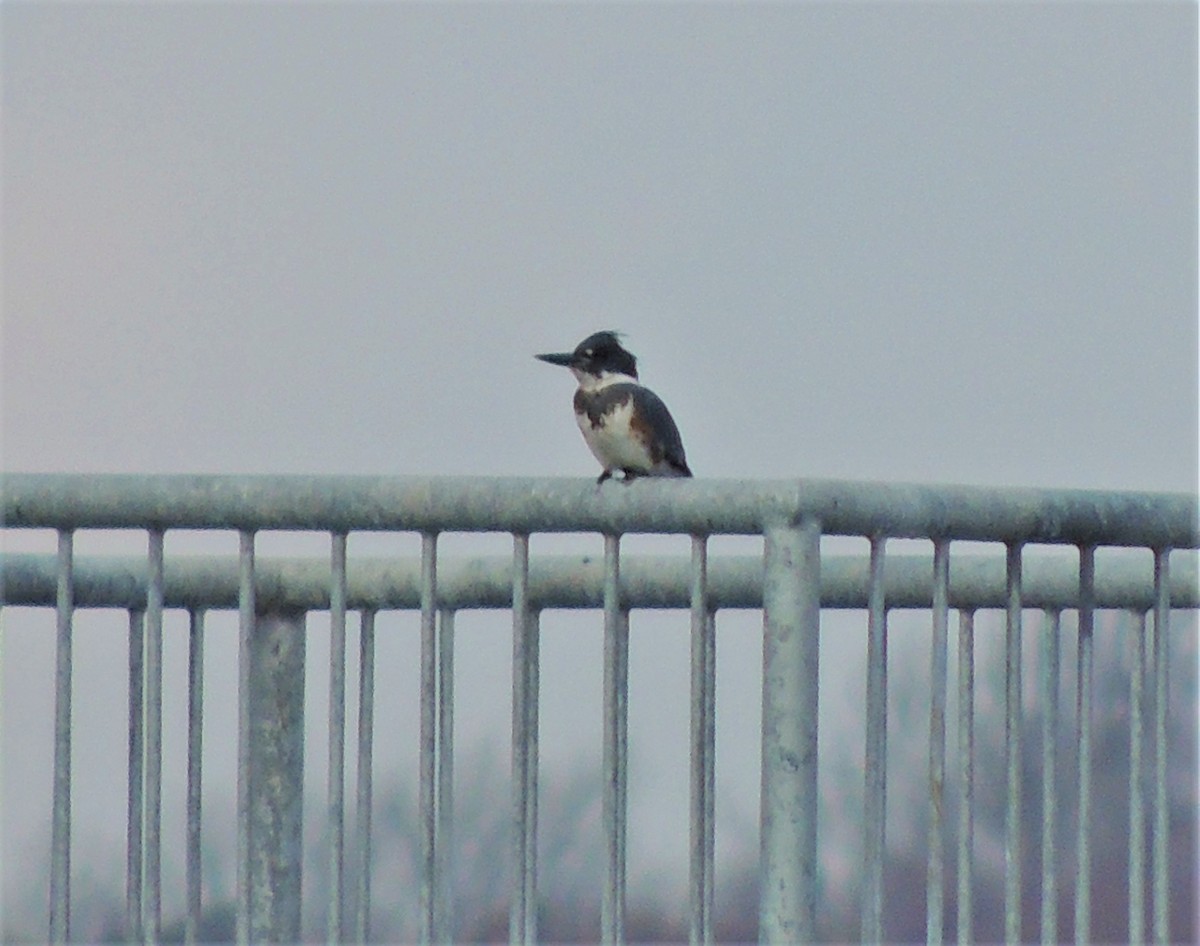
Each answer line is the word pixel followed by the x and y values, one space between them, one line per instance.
pixel 525 505
pixel 976 581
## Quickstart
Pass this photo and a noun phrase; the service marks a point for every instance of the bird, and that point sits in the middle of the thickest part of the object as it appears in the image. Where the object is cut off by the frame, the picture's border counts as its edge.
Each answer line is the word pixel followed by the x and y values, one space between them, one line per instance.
pixel 625 424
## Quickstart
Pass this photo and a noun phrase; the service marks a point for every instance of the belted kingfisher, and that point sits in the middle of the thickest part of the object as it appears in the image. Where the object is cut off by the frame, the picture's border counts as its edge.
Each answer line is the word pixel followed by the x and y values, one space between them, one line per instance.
pixel 626 426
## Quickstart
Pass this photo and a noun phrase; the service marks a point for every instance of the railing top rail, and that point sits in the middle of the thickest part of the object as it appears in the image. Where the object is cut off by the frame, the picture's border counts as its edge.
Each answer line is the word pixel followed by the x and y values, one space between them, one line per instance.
pixel 565 581
pixel 527 505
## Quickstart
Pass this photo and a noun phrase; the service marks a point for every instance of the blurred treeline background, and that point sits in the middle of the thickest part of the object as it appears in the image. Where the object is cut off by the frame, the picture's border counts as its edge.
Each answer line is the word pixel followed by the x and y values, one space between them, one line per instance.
pixel 571 853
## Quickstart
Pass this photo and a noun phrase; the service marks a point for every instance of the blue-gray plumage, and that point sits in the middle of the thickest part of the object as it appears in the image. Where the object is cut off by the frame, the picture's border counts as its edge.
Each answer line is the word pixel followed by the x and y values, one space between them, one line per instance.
pixel 625 424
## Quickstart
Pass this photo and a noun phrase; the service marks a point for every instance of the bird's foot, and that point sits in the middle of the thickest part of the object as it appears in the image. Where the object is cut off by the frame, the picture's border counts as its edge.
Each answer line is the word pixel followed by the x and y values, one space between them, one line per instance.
pixel 628 477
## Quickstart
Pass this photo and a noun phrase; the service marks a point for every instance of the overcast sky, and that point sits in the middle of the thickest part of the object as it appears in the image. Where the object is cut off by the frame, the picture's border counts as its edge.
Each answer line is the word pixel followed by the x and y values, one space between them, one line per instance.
pixel 931 242
pixel 927 242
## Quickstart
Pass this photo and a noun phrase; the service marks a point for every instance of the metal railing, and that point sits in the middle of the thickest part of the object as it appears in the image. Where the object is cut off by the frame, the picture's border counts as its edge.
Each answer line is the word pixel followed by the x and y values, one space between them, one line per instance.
pixel 792 582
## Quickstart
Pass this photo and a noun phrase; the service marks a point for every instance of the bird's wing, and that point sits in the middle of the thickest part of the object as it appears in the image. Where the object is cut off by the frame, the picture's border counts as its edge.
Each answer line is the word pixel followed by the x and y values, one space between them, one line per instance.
pixel 659 419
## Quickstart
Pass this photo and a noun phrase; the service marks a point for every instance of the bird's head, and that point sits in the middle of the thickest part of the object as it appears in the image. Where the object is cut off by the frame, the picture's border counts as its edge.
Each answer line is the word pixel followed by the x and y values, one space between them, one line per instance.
pixel 596 358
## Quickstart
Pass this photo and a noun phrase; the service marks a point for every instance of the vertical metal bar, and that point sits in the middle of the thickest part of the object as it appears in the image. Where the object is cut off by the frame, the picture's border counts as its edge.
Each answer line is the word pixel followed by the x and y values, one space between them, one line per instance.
pixel 277 763
pixel 194 772
pixel 1162 617
pixel 710 777
pixel 60 829
pixel 875 778
pixel 966 774
pixel 336 811
pixel 935 873
pixel 533 691
pixel 523 909
pixel 445 776
pixel 791 636
pixel 246 616
pixel 1012 749
pixel 133 849
pixel 518 914
pixel 614 801
pixel 366 730
pixel 1083 738
pixel 1137 812
pixel 702 750
pixel 428 737
pixel 1048 674
pixel 152 811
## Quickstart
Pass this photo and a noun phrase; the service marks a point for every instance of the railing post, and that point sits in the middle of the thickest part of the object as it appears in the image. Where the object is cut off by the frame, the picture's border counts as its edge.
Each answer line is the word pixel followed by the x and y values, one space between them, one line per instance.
pixel 276 757
pixel 614 802
pixel 60 819
pixel 875 750
pixel 788 840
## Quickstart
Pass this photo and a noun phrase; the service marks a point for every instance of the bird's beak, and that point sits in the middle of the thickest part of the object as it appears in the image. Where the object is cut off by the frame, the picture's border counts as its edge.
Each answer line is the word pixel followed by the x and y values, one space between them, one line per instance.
pixel 562 358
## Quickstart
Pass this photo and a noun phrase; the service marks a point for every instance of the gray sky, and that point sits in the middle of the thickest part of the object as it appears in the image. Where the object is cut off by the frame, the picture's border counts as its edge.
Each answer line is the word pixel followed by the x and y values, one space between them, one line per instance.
pixel 929 242
pixel 933 242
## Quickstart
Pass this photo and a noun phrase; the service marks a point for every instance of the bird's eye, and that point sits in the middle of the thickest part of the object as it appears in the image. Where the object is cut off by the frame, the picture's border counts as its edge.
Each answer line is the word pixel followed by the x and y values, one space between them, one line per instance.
pixel 588 353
